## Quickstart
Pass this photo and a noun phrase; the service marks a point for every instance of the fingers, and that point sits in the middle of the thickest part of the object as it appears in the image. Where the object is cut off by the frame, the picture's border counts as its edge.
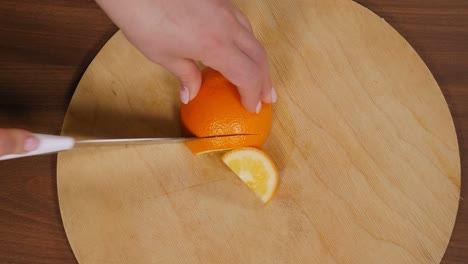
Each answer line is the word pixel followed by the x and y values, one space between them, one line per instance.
pixel 189 75
pixel 242 71
pixel 254 49
pixel 16 141
pixel 250 72
pixel 247 42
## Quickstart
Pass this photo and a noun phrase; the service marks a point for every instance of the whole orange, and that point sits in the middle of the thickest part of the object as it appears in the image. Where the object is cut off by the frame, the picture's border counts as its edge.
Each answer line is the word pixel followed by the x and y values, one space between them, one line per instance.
pixel 217 110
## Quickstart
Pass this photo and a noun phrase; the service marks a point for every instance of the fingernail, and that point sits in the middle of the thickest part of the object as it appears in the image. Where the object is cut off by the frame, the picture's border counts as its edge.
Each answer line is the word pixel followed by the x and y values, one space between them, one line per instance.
pixel 30 144
pixel 184 95
pixel 274 96
pixel 259 107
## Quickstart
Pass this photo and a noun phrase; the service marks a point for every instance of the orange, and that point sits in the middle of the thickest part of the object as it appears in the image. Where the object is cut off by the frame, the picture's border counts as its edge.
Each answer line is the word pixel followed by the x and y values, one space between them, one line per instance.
pixel 217 110
pixel 256 169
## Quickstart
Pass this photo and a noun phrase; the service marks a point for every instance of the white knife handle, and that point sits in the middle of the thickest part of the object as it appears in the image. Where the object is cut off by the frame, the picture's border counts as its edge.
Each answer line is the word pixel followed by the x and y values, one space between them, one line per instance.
pixel 47 144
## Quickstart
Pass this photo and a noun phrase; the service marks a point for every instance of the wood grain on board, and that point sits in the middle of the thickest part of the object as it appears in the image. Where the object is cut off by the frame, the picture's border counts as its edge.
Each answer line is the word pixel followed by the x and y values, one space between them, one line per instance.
pixel 362 134
pixel 46 47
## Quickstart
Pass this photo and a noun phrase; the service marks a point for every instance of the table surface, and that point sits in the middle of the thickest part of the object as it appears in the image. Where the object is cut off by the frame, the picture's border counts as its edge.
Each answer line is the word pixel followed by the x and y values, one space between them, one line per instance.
pixel 45 46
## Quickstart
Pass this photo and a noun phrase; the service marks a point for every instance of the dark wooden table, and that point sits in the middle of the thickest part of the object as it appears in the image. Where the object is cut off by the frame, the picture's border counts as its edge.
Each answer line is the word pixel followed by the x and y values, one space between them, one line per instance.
pixel 46 45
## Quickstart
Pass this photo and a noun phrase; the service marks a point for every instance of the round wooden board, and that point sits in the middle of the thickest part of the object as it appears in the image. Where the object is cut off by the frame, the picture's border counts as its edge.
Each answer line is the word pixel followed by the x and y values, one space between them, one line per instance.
pixel 362 135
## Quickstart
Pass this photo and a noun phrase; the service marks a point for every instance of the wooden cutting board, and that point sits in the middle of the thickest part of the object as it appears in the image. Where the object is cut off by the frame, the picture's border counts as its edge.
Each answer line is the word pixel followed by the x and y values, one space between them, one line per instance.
pixel 362 135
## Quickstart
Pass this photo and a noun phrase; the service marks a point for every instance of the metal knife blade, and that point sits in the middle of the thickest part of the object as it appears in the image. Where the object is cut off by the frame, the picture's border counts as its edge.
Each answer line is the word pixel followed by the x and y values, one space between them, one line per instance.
pixel 129 141
pixel 142 141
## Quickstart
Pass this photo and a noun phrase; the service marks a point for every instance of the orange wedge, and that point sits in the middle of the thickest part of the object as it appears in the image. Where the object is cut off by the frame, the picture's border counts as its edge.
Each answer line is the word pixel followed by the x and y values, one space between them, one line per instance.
pixel 256 169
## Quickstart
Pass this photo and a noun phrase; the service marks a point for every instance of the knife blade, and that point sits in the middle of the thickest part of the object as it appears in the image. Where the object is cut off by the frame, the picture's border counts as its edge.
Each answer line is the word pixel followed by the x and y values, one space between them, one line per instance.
pixel 142 141
pixel 49 144
pixel 129 141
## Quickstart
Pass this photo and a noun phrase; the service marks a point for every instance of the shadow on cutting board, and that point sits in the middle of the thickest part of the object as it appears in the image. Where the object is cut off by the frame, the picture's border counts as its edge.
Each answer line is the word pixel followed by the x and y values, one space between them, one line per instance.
pixel 96 123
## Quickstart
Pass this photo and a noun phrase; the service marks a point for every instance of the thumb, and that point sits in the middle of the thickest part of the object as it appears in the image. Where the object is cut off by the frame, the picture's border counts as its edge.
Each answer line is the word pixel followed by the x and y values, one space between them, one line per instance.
pixel 189 75
pixel 17 141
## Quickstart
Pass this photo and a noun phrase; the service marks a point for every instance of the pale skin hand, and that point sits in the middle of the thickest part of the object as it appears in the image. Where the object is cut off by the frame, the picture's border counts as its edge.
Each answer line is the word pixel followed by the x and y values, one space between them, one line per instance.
pixel 176 33
pixel 16 141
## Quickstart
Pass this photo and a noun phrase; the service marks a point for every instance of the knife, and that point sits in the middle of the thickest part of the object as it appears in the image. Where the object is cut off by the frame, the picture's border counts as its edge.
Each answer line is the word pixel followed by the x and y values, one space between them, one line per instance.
pixel 49 144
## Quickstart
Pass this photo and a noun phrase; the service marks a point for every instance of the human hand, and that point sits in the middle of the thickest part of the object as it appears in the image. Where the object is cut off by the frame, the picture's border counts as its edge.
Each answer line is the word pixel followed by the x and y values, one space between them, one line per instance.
pixel 177 33
pixel 16 141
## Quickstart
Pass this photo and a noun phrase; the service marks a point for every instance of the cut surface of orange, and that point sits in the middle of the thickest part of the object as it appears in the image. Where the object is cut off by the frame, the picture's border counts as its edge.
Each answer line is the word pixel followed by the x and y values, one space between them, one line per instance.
pixel 216 111
pixel 256 169
pixel 207 145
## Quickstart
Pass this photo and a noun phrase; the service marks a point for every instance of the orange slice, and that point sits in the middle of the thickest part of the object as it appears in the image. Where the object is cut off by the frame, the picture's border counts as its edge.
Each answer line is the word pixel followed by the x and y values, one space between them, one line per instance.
pixel 213 144
pixel 256 169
